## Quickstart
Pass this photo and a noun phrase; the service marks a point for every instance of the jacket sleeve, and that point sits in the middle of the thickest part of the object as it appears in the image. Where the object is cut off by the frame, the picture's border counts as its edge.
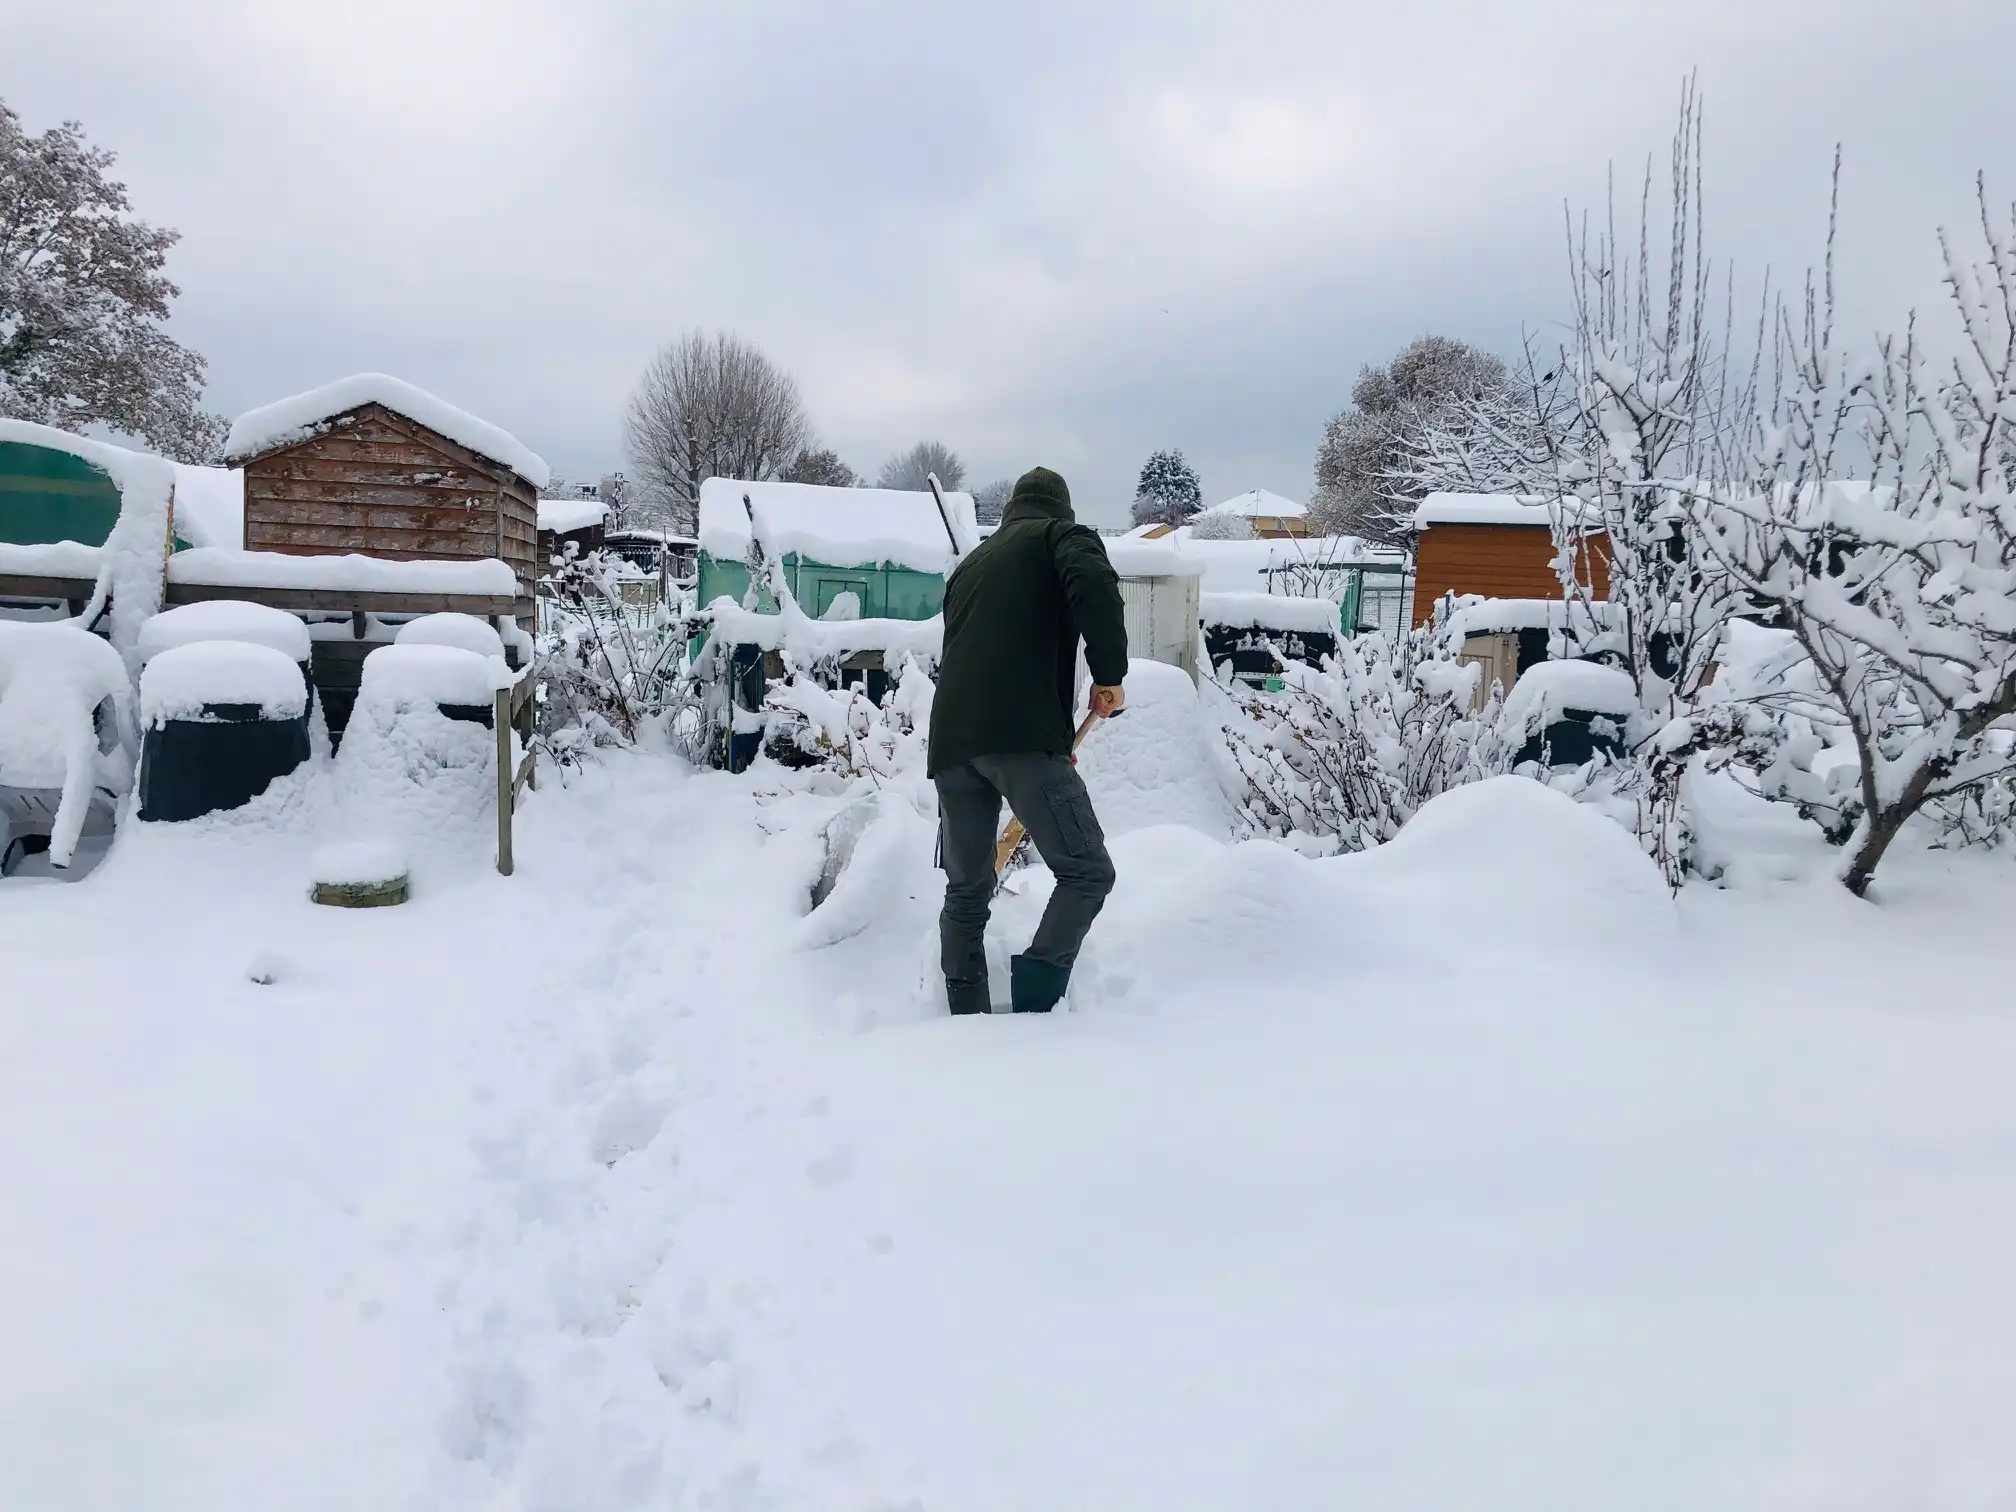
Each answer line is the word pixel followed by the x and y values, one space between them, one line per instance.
pixel 1092 589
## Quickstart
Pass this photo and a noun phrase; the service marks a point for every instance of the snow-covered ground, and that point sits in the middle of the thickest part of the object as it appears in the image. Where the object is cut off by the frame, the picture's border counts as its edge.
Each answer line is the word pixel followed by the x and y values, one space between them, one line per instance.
pixel 1471 1172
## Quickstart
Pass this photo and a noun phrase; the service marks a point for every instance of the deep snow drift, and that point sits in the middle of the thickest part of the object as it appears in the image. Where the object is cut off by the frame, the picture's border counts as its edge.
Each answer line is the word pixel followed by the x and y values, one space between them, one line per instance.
pixel 1468 1172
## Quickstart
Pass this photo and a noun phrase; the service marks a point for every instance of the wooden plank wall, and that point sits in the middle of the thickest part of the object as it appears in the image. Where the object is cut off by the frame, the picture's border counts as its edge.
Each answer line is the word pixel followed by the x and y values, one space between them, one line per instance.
pixel 1497 561
pixel 381 485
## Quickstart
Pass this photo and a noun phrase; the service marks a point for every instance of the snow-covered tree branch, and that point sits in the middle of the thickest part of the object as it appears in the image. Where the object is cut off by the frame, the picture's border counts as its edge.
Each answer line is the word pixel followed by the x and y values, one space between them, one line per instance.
pixel 1899 586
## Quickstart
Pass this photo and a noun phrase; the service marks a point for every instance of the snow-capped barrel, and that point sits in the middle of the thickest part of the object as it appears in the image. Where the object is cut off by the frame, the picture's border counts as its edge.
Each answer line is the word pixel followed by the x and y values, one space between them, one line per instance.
pixel 230 620
pixel 1571 711
pixel 420 758
pixel 223 719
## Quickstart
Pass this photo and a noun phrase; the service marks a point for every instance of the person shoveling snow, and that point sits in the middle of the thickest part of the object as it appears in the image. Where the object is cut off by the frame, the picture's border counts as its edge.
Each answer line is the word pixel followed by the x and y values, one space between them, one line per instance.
pixel 1015 610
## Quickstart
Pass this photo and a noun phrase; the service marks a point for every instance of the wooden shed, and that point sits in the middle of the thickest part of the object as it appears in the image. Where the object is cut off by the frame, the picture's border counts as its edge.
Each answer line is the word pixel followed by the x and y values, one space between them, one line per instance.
pixel 374 466
pixel 578 522
pixel 1495 547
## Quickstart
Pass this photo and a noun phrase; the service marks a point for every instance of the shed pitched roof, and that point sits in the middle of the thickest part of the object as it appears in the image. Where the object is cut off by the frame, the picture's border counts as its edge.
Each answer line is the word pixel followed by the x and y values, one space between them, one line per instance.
pixel 294 419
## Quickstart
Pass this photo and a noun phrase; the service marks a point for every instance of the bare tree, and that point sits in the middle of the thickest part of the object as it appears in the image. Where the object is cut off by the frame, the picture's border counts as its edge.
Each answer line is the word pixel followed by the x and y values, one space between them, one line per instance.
pixel 989 499
pixel 710 406
pixel 83 298
pixel 821 465
pixel 909 469
pixel 1363 485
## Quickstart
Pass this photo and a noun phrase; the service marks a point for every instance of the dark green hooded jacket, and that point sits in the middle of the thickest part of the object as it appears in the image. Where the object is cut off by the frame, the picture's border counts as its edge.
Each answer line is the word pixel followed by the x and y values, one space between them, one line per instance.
pixel 1015 610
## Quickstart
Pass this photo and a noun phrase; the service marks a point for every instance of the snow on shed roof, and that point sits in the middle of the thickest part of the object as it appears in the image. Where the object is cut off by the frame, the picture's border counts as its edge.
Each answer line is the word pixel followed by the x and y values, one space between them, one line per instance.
pixel 842 527
pixel 562 516
pixel 287 421
pixel 1257 503
pixel 1481 509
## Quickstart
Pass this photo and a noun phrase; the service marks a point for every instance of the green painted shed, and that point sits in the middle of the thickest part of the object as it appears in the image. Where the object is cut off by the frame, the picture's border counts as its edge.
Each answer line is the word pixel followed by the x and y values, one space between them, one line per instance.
pixel 48 496
pixel 888 548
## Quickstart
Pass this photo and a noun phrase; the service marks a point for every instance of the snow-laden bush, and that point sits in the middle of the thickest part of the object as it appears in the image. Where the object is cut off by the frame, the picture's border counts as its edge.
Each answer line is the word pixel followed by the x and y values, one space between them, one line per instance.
pixel 605 677
pixel 810 724
pixel 1348 754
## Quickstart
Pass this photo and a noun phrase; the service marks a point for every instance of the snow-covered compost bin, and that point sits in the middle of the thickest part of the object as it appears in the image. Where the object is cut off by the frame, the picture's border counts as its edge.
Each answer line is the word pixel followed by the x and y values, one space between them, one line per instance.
pixel 67 737
pixel 1248 635
pixel 224 719
pixel 1570 711
pixel 420 758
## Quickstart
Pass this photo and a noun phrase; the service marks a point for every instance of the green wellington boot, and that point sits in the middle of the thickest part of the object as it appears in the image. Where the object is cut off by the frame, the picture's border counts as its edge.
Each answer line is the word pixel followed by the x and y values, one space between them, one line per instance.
pixel 1036 986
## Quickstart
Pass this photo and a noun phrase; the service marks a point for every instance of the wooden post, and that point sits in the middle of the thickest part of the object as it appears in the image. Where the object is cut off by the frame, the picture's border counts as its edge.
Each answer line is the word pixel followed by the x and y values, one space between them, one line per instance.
pixel 501 717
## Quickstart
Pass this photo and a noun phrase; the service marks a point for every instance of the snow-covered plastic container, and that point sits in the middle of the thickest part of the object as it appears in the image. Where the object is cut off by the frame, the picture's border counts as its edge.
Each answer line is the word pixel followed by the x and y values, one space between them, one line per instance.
pixel 231 620
pixel 420 758
pixel 460 682
pixel 1571 711
pixel 223 720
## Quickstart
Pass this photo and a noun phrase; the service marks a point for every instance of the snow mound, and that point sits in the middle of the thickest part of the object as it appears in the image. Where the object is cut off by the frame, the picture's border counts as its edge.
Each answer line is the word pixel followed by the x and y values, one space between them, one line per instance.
pixel 879 847
pixel 179 681
pixel 1153 764
pixel 464 631
pixel 299 416
pixel 1514 860
pixel 226 620
pixel 357 863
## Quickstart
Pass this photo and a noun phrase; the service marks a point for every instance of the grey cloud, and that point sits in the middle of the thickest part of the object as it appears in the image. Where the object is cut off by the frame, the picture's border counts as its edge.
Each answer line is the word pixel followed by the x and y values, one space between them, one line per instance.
pixel 1067 232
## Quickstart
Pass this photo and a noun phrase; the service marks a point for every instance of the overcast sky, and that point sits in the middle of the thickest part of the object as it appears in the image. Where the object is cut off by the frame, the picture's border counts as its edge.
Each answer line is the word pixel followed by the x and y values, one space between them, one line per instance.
pixel 1066 233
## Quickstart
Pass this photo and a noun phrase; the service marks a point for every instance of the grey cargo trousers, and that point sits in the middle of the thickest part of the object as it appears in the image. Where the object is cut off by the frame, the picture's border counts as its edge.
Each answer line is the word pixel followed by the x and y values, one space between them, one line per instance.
pixel 1049 797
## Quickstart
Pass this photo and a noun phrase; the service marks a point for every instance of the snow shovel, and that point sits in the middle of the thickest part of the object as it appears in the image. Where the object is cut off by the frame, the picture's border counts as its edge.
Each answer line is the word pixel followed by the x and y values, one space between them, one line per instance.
pixel 1012 837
